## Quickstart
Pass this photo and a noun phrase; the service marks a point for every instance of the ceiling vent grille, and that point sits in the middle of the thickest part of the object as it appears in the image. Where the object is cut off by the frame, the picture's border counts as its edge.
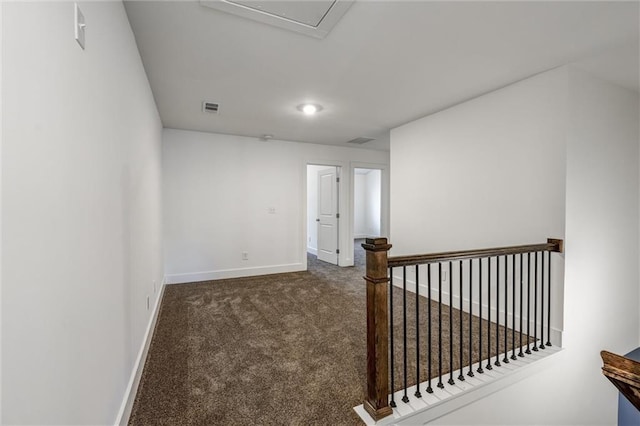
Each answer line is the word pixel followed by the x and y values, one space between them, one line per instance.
pixel 360 141
pixel 210 107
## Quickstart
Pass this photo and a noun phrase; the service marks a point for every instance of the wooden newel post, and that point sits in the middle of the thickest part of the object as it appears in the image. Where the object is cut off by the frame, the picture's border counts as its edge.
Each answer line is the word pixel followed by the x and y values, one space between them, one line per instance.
pixel 376 402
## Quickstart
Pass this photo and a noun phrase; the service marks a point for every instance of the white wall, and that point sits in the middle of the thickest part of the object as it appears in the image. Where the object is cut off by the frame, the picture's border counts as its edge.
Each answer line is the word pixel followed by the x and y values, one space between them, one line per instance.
pixel 312 207
pixel 471 176
pixel 518 165
pixel 1 132
pixel 218 190
pixel 81 204
pixel 602 281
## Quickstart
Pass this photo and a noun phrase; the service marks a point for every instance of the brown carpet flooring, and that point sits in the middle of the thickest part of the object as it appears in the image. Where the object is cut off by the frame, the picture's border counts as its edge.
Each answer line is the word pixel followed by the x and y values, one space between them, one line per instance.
pixel 285 349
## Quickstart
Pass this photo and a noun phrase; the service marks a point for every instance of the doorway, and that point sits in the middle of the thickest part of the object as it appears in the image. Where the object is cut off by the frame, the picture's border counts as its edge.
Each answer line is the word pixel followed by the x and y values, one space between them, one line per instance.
pixel 367 204
pixel 323 212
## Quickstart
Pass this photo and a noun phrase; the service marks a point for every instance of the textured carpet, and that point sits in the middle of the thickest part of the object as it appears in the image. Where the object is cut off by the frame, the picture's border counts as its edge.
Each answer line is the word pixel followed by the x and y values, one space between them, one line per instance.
pixel 277 349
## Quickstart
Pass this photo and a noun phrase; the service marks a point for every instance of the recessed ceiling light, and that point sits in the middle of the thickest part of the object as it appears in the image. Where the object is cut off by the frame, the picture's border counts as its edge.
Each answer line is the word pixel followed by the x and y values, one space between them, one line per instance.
pixel 310 109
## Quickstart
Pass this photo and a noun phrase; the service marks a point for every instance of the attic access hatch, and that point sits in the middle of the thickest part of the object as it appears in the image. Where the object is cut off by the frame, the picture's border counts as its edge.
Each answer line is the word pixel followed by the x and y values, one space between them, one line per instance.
pixel 315 18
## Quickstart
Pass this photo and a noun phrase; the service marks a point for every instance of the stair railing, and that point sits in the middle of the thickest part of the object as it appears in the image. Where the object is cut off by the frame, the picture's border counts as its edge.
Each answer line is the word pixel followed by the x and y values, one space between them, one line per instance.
pixel 509 286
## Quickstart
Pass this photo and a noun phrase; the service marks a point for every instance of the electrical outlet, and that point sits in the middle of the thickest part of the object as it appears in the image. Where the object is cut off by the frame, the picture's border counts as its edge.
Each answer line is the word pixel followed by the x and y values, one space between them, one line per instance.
pixel 245 255
pixel 148 305
pixel 272 210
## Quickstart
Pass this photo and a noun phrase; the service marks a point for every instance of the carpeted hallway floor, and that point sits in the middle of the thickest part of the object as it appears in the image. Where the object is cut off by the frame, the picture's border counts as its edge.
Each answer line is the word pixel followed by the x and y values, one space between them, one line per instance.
pixel 278 349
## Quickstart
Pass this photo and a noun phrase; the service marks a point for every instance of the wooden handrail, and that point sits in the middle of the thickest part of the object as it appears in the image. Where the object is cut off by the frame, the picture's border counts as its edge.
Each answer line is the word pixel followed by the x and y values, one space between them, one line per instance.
pixel 376 402
pixel 554 245
pixel 624 373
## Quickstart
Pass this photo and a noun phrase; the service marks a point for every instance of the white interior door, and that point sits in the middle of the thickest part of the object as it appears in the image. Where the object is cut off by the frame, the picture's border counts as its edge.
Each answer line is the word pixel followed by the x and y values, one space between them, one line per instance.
pixel 328 216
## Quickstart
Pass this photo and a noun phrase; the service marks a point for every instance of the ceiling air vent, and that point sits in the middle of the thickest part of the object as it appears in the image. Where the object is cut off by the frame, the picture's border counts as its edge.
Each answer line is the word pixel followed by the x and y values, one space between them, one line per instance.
pixel 210 107
pixel 360 141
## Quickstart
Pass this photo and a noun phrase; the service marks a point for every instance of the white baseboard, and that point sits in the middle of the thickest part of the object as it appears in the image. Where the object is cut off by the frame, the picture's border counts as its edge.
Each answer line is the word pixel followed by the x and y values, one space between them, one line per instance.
pixel 136 373
pixel 313 251
pixel 233 273
pixel 431 406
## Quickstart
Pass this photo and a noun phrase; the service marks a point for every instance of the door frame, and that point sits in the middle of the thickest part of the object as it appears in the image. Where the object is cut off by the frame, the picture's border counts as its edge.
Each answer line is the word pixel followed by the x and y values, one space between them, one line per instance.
pixel 346 202
pixel 384 199
pixel 343 206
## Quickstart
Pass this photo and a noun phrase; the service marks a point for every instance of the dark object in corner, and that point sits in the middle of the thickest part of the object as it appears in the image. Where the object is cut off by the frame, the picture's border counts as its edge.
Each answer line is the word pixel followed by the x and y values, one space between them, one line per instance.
pixel 624 373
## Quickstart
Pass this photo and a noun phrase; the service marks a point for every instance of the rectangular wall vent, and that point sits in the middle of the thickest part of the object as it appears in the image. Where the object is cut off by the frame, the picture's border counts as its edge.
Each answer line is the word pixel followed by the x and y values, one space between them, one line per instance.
pixel 360 141
pixel 211 107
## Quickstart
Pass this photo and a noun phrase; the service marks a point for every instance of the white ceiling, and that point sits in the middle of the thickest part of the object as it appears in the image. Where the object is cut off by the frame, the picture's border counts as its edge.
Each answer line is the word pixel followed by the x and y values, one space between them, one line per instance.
pixel 384 64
